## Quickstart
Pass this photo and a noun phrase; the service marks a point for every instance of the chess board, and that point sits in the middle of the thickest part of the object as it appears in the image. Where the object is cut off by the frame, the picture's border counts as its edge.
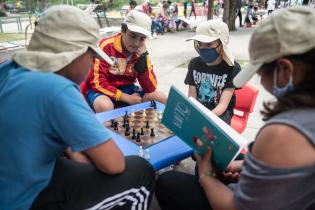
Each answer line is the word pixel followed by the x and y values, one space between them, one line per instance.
pixel 138 120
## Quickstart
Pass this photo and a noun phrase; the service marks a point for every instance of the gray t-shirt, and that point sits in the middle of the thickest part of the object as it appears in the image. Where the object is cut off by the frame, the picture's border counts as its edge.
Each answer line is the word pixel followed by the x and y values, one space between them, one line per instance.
pixel 263 187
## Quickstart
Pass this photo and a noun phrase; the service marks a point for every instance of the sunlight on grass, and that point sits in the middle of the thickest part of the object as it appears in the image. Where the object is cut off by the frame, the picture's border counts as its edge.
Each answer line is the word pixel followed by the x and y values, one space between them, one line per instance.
pixel 5 37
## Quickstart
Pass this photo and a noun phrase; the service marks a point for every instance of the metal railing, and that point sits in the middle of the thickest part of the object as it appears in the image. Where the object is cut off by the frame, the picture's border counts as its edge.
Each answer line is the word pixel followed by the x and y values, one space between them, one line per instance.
pixel 14 19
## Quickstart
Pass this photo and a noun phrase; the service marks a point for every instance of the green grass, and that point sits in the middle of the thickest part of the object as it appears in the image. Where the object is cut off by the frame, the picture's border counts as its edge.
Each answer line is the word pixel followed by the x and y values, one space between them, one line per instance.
pixel 5 37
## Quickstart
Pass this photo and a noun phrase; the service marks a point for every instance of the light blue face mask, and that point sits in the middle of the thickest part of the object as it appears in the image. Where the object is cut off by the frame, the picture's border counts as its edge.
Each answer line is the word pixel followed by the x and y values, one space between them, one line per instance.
pixel 279 92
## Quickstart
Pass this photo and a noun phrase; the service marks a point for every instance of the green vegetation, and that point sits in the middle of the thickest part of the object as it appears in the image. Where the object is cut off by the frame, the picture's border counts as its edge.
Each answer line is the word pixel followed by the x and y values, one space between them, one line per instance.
pixel 4 37
pixel 2 13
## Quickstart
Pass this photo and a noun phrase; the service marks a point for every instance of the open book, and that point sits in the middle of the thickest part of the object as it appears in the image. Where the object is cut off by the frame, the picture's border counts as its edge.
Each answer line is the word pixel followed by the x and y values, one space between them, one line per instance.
pixel 200 128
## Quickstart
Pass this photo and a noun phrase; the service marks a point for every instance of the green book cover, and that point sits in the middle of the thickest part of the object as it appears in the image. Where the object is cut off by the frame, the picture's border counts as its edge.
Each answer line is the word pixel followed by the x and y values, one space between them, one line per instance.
pixel 200 128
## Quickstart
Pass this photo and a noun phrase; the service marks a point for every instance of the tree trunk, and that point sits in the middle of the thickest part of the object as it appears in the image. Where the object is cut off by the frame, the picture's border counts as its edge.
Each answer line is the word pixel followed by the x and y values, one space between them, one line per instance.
pixel 210 10
pixel 262 4
pixel 229 13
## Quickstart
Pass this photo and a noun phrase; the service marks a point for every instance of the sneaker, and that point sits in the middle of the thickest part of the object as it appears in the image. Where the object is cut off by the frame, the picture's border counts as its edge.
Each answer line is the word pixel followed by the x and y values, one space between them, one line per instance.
pixel 154 35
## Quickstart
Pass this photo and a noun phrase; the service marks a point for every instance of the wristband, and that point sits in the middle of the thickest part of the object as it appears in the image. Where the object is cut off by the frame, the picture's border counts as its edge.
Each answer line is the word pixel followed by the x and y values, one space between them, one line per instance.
pixel 208 173
pixel 141 65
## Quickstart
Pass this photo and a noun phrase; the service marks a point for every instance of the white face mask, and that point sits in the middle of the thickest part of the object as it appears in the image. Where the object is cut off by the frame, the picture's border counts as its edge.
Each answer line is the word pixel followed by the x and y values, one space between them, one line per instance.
pixel 279 92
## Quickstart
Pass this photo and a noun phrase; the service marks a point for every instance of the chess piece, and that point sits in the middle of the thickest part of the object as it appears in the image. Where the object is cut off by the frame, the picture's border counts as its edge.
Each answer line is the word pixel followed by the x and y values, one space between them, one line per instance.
pixel 160 115
pixel 143 113
pixel 140 151
pixel 124 125
pixel 152 132
pixel 112 123
pixel 134 134
pixel 138 137
pixel 153 104
pixel 147 125
pixel 116 126
pixel 132 112
pixel 142 133
pixel 147 154
pixel 127 133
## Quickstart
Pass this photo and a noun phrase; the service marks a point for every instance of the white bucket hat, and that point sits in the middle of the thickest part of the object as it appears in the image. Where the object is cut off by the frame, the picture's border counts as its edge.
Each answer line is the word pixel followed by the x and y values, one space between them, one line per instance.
pixel 138 22
pixel 62 34
pixel 212 30
pixel 285 32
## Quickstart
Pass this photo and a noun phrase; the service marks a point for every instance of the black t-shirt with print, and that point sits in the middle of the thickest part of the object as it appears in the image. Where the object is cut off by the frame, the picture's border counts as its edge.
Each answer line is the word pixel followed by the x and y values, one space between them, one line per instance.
pixel 210 81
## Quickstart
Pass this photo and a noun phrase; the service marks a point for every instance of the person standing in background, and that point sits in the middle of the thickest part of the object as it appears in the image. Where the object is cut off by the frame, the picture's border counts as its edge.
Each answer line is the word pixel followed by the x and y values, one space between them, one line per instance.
pixel 271 6
pixel 239 11
pixel 193 9
pixel 185 8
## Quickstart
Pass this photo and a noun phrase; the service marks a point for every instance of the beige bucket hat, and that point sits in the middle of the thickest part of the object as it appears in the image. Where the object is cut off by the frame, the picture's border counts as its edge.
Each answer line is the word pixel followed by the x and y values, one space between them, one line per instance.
pixel 138 22
pixel 285 32
pixel 62 34
pixel 212 30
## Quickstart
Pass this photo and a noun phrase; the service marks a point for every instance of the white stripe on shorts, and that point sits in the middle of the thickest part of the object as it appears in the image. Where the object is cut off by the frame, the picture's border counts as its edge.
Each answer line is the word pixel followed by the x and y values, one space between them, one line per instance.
pixel 137 196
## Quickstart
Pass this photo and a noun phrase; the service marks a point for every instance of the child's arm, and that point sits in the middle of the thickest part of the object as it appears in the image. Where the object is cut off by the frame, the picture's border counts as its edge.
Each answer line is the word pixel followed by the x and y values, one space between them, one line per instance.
pixel 224 101
pixel 192 91
pixel 77 156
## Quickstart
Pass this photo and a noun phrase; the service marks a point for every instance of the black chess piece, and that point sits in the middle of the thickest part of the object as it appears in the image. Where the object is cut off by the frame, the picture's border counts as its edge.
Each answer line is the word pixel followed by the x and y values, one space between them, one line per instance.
pixel 112 123
pixel 124 125
pixel 116 126
pixel 152 134
pixel 133 134
pixel 138 137
pixel 153 104
pixel 142 133
pixel 127 133
pixel 147 125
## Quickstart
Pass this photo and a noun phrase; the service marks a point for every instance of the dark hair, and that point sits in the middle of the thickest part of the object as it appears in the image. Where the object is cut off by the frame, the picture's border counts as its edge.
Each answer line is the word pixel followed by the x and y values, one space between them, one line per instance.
pixel 303 95
pixel 124 28
pixel 133 3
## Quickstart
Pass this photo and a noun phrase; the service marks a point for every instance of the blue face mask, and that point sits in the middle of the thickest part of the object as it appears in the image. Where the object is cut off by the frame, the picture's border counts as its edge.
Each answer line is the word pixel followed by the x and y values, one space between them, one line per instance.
pixel 279 92
pixel 208 55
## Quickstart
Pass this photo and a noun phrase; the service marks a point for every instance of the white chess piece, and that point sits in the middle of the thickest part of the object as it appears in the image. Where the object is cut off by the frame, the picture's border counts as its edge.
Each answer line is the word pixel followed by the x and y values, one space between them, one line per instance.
pixel 140 152
pixel 132 112
pixel 160 115
pixel 147 154
pixel 143 113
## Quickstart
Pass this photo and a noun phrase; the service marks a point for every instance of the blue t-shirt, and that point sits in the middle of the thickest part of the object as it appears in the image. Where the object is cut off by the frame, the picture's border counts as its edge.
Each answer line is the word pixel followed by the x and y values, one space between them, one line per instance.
pixel 41 114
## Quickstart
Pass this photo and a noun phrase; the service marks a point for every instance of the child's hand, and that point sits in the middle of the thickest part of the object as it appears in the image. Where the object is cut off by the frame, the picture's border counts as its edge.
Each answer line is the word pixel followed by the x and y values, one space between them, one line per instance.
pixel 233 172
pixel 134 99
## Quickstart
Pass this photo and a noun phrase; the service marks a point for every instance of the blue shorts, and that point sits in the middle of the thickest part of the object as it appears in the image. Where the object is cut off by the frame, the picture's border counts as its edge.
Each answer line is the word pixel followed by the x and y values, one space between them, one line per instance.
pixel 128 89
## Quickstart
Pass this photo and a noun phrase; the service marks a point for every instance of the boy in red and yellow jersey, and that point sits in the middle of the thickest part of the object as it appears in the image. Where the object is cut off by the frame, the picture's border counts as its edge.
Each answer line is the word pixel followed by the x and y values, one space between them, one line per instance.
pixel 106 85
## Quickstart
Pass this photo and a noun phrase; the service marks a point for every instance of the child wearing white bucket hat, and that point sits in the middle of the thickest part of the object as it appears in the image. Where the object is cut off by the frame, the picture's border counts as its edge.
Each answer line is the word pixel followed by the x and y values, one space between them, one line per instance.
pixel 210 75
pixel 43 113
pixel 278 172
